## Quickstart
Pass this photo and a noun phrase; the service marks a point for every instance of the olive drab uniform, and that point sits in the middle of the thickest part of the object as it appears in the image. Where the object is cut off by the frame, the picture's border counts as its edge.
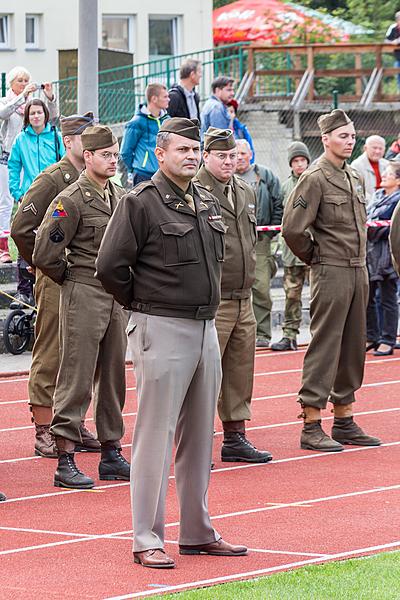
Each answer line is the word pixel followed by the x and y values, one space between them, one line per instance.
pixel 235 321
pixel 45 355
pixel 324 225
pixel 92 324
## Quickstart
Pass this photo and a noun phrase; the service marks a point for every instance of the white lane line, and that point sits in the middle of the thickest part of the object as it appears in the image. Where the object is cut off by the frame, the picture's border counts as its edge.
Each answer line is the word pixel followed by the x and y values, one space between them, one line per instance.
pixel 46 531
pixel 287 371
pixel 222 470
pixel 130 414
pixel 247 574
pixel 278 506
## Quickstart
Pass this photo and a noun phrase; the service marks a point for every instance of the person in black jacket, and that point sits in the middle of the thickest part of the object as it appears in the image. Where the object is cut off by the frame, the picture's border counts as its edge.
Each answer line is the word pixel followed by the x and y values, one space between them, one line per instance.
pixel 183 99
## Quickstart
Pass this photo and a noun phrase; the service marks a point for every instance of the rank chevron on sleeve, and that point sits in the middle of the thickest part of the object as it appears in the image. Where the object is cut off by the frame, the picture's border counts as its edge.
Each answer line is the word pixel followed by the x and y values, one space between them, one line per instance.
pixel 299 202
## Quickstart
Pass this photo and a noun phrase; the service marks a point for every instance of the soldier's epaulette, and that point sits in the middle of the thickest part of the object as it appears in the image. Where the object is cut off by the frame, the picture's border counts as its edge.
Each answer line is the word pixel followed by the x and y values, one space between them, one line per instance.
pixel 141 187
pixel 71 189
pixel 52 168
pixel 204 191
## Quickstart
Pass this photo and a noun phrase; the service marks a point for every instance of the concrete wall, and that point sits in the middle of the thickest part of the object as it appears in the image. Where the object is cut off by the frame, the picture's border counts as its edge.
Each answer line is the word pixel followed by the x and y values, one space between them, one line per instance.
pixel 59 29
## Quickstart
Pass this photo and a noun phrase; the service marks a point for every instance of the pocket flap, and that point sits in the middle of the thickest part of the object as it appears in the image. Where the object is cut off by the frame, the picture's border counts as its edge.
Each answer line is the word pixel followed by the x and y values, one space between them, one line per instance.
pixel 335 199
pixel 95 221
pixel 176 228
pixel 218 226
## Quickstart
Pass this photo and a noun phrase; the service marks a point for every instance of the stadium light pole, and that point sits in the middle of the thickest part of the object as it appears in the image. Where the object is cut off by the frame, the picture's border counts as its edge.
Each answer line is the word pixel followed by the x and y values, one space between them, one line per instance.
pixel 88 62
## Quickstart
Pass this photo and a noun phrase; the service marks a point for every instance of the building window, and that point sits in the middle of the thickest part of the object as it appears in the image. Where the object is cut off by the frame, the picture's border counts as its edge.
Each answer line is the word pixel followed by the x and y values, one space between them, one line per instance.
pixel 4 31
pixel 117 32
pixel 32 31
pixel 163 37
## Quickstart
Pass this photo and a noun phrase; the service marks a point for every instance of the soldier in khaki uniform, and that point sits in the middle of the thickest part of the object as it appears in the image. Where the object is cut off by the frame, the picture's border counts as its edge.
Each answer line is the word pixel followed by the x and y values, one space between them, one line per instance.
pixel 324 225
pixel 45 355
pixel 295 271
pixel 235 321
pixel 93 341
pixel 161 257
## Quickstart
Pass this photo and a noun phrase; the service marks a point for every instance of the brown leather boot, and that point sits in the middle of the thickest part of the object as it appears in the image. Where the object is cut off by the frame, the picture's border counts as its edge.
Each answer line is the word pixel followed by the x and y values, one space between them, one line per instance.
pixel 313 437
pixel 45 443
pixel 67 474
pixel 89 441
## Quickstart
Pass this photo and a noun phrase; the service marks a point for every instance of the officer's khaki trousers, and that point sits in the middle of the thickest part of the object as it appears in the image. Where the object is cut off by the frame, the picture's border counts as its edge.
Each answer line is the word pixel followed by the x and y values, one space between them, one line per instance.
pixel 178 374
pixel 45 353
pixel 93 347
pixel 262 302
pixel 236 327
pixel 334 362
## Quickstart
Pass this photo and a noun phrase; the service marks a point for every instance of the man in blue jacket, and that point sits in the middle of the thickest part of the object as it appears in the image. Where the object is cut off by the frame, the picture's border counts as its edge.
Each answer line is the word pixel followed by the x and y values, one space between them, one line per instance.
pixel 139 140
pixel 215 112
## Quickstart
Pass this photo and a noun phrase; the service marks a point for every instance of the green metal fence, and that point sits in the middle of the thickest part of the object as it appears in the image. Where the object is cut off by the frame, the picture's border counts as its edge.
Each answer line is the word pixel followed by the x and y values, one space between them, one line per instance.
pixel 121 89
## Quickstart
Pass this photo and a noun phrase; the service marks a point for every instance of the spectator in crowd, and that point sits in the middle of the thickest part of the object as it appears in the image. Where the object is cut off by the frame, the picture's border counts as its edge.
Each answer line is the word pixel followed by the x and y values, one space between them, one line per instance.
pixel 371 164
pixel 12 108
pixel 269 212
pixel 184 101
pixel 92 325
pixel 235 322
pixel 393 37
pixel 45 354
pixel 394 149
pixel 161 257
pixel 37 146
pixel 139 141
pixel 295 271
pixel 381 333
pixel 215 111
pixel 239 129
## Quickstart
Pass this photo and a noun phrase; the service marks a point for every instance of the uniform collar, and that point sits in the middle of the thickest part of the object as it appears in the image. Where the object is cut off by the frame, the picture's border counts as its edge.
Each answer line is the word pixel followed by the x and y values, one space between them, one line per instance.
pixel 174 196
pixel 92 192
pixel 339 177
pixel 216 187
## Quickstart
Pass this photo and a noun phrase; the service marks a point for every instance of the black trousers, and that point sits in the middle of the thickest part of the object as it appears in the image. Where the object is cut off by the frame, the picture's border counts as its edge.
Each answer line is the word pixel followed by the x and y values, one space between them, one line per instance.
pixel 384 330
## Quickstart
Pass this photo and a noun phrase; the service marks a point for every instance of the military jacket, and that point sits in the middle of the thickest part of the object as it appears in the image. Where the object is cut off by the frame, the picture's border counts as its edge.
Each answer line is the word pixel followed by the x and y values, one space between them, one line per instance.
pixel 47 185
pixel 238 272
pixel 75 221
pixel 325 216
pixel 159 256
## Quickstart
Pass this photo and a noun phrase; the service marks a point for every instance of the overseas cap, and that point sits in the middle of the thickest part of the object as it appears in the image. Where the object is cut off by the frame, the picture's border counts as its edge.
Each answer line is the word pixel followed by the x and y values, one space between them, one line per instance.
pixel 188 128
pixel 76 124
pixel 98 137
pixel 337 118
pixel 298 149
pixel 219 139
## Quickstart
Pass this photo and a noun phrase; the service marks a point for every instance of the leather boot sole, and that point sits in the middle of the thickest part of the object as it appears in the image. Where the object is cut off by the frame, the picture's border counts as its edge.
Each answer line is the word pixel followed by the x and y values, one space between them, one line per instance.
pixel 247 460
pixel 61 484
pixel 38 453
pixel 354 443
pixel 159 566
pixel 309 447
pixel 195 552
pixel 113 478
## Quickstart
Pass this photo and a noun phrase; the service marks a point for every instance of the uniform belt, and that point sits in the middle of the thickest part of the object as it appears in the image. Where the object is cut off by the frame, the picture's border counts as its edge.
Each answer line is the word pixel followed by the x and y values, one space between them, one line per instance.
pixel 183 312
pixel 336 261
pixel 235 294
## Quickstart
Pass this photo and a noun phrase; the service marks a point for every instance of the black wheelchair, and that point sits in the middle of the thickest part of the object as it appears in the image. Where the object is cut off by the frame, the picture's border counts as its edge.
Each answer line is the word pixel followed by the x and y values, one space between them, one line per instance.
pixel 19 325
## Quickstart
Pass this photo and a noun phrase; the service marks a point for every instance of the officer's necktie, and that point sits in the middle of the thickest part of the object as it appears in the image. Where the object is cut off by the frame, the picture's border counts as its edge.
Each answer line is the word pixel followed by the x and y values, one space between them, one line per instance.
pixel 190 201
pixel 106 198
pixel 228 194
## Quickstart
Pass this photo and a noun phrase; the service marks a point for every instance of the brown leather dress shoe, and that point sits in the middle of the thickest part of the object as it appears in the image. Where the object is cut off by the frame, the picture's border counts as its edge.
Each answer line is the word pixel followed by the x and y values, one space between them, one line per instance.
pixel 218 548
pixel 156 559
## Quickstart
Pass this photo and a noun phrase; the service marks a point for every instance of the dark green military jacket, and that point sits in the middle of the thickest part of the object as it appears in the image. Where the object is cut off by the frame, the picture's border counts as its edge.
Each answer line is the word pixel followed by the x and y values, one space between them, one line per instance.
pixel 47 185
pixel 75 221
pixel 238 272
pixel 325 216
pixel 160 257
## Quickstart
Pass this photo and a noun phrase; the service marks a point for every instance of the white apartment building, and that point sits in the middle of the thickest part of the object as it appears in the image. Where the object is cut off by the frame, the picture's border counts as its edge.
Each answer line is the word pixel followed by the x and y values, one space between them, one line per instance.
pixel 32 31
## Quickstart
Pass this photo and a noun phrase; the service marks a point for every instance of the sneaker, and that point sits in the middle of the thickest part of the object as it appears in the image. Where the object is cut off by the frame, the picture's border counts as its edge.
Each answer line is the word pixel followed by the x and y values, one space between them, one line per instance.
pixel 284 344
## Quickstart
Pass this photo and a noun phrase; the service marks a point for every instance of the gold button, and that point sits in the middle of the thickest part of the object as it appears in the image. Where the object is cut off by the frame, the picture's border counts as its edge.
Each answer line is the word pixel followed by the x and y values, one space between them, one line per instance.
pixel 67 176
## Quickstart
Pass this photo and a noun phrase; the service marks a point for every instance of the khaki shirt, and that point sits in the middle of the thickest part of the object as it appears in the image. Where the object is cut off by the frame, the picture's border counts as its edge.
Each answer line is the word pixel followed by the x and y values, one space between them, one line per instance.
pixel 47 185
pixel 75 221
pixel 238 271
pixel 325 216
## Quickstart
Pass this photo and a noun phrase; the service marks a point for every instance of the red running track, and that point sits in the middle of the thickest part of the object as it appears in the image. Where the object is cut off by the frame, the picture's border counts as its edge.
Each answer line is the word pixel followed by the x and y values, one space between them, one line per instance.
pixel 303 508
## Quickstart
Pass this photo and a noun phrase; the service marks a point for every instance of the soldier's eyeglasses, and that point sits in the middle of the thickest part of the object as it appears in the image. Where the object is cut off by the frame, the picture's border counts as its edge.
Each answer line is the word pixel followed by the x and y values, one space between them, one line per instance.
pixel 109 155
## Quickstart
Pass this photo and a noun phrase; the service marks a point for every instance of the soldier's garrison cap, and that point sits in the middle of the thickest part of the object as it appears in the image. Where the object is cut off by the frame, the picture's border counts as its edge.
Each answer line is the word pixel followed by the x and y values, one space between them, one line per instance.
pixel 188 128
pixel 76 124
pixel 98 137
pixel 219 139
pixel 333 120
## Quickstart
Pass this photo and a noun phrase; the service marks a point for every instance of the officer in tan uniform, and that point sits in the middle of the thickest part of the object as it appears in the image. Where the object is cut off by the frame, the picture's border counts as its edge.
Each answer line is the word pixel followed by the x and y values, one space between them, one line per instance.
pixel 235 320
pixel 161 257
pixel 93 341
pixel 324 225
pixel 45 355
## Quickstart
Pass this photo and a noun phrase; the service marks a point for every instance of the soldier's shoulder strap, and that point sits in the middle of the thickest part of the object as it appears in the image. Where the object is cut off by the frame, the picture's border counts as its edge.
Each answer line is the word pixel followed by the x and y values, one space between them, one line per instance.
pixel 141 187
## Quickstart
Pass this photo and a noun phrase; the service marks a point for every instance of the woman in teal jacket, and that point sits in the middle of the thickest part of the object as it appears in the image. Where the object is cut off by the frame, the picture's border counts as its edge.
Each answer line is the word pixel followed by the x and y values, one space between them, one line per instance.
pixel 37 146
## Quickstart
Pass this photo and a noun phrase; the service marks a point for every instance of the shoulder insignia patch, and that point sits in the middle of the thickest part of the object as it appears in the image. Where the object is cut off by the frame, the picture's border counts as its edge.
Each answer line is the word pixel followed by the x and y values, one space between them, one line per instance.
pixel 59 210
pixel 299 202
pixel 56 234
pixel 30 207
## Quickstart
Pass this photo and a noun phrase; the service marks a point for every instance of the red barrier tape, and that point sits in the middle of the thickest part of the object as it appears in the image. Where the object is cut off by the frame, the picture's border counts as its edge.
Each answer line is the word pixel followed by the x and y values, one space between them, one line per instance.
pixel 368 224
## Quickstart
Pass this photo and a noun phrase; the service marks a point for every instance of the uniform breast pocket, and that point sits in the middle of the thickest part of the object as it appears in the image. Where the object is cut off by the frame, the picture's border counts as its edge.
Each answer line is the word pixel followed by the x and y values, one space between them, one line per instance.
pixel 337 210
pixel 253 226
pixel 218 229
pixel 96 227
pixel 179 244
